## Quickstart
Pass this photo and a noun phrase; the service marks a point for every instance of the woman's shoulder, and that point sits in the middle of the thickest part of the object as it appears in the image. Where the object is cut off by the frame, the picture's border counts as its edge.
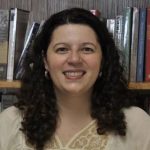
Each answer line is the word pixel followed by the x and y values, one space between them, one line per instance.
pixel 138 126
pixel 10 124
pixel 136 114
pixel 137 131
pixel 10 114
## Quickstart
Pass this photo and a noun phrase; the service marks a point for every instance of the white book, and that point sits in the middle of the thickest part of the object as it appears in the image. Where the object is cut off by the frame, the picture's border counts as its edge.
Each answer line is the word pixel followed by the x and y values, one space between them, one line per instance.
pixel 134 44
pixel 111 26
pixel 119 31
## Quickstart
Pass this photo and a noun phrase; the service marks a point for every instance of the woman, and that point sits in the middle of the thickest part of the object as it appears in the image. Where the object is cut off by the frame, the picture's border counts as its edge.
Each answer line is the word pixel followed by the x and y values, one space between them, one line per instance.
pixel 74 95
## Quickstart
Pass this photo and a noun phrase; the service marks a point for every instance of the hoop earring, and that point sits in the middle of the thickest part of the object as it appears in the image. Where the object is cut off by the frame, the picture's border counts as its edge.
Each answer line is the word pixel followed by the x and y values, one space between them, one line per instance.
pixel 46 75
pixel 100 74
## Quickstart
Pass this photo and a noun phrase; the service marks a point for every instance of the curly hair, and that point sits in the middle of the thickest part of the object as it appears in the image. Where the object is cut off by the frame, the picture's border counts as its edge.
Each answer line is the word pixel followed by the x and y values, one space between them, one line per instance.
pixel 37 100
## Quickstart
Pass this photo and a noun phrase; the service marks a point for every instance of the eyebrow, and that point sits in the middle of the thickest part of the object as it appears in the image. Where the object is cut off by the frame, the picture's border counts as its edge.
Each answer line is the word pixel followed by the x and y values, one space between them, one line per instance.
pixel 89 43
pixel 85 43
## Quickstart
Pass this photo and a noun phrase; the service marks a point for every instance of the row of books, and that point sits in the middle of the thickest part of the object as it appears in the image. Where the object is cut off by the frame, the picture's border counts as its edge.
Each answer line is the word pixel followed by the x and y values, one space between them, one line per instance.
pixel 16 37
pixel 131 32
pixel 7 100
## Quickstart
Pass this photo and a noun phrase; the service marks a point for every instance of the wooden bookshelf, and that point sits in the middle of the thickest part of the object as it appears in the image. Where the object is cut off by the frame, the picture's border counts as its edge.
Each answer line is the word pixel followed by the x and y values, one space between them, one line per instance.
pixel 139 86
pixel 10 84
pixel 132 85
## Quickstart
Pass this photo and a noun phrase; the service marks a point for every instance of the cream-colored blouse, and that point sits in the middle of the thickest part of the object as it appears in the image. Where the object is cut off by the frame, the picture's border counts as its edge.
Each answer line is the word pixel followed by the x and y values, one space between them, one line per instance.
pixel 137 137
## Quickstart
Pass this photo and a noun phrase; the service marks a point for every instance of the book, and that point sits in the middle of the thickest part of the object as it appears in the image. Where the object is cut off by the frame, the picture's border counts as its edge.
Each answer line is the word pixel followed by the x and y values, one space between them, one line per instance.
pixel 8 90
pixel 111 26
pixel 18 24
pixel 4 30
pixel 126 41
pixel 26 50
pixel 118 31
pixel 95 12
pixel 7 100
pixel 119 36
pixel 141 46
pixel 134 44
pixel 147 51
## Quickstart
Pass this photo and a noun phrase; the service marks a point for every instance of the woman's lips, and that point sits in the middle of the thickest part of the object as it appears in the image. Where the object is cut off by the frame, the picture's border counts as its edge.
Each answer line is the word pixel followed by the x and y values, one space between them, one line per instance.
pixel 74 74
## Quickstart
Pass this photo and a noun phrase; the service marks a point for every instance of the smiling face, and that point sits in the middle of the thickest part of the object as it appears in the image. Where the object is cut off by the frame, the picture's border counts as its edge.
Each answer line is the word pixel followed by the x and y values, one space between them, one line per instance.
pixel 73 59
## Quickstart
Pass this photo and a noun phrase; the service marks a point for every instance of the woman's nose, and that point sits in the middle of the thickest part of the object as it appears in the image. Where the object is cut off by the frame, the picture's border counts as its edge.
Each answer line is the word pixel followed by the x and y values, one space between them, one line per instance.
pixel 74 57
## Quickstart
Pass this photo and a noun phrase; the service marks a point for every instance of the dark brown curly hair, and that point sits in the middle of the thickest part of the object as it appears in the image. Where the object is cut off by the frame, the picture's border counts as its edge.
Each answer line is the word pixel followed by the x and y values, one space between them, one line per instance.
pixel 37 100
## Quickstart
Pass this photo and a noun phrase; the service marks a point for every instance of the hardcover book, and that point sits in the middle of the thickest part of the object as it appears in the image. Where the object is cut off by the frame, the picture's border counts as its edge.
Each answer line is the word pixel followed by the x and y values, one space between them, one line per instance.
pixel 7 100
pixel 4 30
pixel 126 42
pixel 18 24
pixel 26 50
pixel 111 26
pixel 118 31
pixel 134 44
pixel 147 51
pixel 141 46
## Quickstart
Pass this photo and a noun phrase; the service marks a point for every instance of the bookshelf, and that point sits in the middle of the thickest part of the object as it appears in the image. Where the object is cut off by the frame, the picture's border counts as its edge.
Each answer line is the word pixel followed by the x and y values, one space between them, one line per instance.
pixel 139 86
pixel 10 84
pixel 41 10
pixel 17 84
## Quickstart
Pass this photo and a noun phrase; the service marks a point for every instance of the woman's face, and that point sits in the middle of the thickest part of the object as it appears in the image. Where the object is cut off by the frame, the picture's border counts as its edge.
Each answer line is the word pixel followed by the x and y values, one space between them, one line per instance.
pixel 73 59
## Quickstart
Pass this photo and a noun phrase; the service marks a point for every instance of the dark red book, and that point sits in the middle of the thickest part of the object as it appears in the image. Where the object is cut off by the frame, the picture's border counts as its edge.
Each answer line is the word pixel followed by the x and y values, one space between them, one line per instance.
pixel 147 52
pixel 95 12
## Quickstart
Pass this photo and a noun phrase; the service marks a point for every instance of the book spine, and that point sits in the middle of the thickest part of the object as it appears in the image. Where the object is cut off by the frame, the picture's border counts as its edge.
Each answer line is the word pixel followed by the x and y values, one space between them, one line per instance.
pixel 118 31
pixel 111 26
pixel 26 50
pixel 134 44
pixel 4 25
pixel 22 21
pixel 141 46
pixel 147 56
pixel 12 37
pixel 95 12
pixel 8 100
pixel 126 45
pixel 18 25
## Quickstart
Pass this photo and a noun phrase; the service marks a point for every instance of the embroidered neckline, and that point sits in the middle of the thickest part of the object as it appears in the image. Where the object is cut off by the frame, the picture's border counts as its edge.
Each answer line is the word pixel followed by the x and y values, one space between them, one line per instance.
pixel 87 138
pixel 75 135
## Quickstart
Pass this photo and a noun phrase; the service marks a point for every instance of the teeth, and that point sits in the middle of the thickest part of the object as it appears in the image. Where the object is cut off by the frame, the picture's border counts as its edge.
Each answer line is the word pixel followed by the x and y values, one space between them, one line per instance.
pixel 73 74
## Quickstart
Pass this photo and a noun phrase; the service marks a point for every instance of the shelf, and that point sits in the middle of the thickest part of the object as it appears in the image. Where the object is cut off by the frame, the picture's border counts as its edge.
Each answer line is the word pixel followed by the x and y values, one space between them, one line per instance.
pixel 10 84
pixel 132 85
pixel 139 86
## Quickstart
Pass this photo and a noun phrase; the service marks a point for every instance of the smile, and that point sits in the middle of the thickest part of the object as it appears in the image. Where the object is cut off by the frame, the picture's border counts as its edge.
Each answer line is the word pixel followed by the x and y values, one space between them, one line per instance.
pixel 73 74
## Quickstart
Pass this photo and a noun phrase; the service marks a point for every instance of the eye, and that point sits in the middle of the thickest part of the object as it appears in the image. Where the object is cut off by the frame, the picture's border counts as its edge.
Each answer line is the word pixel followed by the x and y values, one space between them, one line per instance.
pixel 87 50
pixel 62 50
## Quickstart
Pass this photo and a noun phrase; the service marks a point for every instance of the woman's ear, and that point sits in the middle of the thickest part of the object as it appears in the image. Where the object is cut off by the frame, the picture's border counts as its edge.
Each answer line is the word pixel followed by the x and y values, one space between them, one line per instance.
pixel 45 63
pixel 44 60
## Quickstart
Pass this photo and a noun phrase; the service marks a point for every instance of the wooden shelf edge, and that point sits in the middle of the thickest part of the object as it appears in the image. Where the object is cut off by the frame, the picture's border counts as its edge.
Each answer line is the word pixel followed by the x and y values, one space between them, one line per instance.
pixel 132 85
pixel 10 84
pixel 139 85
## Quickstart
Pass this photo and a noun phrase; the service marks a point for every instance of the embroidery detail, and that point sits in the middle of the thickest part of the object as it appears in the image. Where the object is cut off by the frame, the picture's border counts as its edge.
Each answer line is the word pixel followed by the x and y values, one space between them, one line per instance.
pixel 87 139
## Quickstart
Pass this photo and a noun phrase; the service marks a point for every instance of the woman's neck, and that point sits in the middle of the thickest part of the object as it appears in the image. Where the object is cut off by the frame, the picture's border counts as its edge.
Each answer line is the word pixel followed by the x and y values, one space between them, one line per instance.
pixel 74 106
